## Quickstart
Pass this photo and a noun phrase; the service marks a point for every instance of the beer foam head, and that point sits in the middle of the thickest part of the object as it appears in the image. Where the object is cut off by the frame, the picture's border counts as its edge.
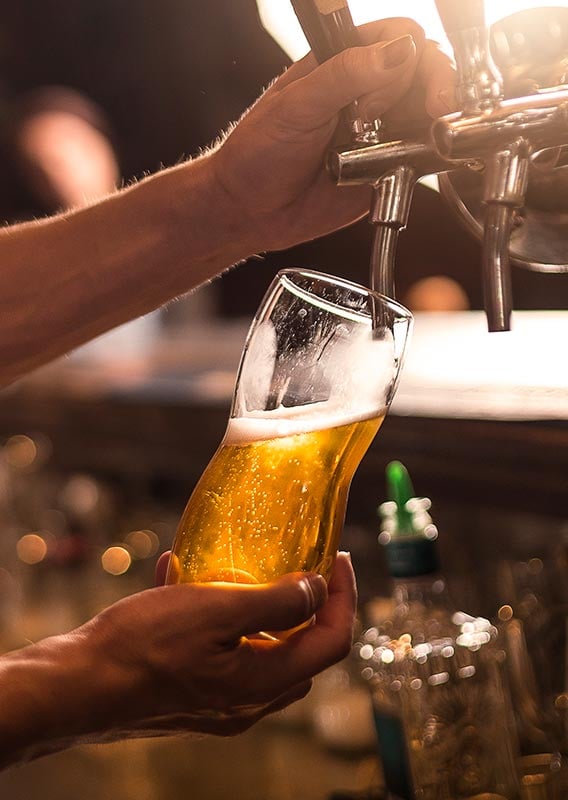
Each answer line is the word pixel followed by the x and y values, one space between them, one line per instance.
pixel 347 369
pixel 361 369
pixel 290 421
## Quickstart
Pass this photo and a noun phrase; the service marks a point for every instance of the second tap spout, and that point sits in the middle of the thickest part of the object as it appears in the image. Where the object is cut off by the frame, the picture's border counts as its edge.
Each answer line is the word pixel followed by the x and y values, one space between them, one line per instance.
pixel 390 208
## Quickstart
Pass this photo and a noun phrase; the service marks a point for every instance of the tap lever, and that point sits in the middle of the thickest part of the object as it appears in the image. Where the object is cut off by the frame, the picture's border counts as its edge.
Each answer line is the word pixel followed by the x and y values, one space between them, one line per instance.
pixel 329 29
pixel 480 84
pixel 458 15
pixel 314 29
pixel 339 24
pixel 327 25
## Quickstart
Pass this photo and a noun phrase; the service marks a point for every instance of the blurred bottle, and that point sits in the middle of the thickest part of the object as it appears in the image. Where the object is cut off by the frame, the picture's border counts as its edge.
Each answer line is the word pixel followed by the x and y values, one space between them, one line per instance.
pixel 342 717
pixel 523 616
pixel 442 711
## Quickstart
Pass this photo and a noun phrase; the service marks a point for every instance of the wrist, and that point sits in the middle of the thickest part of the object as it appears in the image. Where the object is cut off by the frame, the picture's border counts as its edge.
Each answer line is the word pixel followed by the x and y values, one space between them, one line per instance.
pixel 203 214
pixel 242 223
pixel 55 694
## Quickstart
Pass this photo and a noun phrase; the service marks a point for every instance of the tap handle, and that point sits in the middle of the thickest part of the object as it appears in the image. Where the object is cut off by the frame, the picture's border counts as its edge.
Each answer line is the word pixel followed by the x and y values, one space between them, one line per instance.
pixel 314 28
pixel 327 25
pixel 480 85
pixel 458 15
pixel 329 29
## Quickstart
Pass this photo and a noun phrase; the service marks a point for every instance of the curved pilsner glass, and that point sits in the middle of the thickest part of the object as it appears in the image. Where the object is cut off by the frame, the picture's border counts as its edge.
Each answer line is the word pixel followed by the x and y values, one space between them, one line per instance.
pixel 314 384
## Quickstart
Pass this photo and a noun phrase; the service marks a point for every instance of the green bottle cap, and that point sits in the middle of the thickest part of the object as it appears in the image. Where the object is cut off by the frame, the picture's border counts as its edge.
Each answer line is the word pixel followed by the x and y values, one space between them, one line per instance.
pixel 400 491
pixel 408 532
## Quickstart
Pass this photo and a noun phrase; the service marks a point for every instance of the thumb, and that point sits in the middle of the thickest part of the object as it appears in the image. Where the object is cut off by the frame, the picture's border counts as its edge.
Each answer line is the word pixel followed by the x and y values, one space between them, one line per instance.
pixel 279 606
pixel 384 67
pixel 162 568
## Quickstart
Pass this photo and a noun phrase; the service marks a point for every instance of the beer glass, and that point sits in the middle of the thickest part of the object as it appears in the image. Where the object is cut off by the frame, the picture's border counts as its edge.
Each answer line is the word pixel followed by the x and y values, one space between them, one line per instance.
pixel 318 371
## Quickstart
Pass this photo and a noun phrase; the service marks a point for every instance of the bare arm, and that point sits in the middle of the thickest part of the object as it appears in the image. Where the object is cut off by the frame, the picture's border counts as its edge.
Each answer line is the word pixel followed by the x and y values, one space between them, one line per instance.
pixel 174 659
pixel 66 279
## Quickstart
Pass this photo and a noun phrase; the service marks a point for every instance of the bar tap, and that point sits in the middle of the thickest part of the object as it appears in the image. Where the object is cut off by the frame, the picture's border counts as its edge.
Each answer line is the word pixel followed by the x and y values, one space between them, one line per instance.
pixel 501 161
pixel 329 29
pixel 480 92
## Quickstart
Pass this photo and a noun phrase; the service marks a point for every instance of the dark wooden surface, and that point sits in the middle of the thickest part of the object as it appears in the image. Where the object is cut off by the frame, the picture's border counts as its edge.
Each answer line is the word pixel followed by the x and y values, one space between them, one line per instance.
pixel 515 465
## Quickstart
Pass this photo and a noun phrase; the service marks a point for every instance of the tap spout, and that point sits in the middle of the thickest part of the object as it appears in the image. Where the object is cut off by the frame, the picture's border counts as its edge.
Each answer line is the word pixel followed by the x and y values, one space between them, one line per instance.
pixel 383 256
pixel 390 208
pixel 496 266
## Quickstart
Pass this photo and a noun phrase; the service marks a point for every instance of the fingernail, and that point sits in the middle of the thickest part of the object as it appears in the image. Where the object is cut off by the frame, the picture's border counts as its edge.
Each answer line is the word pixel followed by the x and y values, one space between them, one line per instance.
pixel 395 53
pixel 315 589
pixel 346 554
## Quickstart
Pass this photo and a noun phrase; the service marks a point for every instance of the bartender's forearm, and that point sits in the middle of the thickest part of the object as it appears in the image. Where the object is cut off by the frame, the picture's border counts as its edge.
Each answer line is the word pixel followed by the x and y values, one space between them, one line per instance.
pixel 55 694
pixel 69 278
pixel 65 280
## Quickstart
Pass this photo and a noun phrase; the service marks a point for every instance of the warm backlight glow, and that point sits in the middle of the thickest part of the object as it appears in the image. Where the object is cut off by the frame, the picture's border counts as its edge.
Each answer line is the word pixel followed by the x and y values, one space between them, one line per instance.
pixel 143 544
pixel 116 560
pixel 31 548
pixel 280 21
pixel 20 451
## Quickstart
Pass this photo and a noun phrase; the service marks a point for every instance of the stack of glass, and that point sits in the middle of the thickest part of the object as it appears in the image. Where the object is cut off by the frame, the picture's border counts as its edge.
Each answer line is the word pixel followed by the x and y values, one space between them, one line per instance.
pixel 441 705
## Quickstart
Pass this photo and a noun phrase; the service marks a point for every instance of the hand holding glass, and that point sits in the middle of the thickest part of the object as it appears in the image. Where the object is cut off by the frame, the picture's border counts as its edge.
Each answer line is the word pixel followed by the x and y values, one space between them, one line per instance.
pixel 317 374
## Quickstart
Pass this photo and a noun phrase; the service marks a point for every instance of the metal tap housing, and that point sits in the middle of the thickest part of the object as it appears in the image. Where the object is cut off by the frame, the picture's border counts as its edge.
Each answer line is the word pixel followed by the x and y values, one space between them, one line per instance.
pixel 505 141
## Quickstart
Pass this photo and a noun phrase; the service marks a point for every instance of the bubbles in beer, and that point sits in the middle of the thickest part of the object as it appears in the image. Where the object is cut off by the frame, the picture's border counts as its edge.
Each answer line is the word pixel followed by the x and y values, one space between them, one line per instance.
pixel 273 498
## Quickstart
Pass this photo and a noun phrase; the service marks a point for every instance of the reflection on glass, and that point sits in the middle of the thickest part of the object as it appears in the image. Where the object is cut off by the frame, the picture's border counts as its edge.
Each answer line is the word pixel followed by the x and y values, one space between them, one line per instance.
pixel 314 385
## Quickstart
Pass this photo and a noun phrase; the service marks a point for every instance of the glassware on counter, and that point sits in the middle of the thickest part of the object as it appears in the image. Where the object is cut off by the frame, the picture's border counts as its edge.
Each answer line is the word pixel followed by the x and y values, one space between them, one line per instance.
pixel 318 372
pixel 442 710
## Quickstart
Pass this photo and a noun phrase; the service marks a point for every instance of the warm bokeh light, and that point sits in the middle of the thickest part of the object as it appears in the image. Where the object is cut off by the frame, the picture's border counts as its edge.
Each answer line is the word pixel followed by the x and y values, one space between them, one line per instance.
pixel 280 21
pixel 116 560
pixel 20 451
pixel 143 544
pixel 536 566
pixel 499 9
pixel 80 494
pixel 505 613
pixel 31 548
pixel 436 293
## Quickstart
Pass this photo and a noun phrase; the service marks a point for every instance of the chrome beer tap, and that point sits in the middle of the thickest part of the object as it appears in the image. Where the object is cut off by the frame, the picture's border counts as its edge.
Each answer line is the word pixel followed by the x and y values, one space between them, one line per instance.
pixel 329 29
pixel 480 95
pixel 501 160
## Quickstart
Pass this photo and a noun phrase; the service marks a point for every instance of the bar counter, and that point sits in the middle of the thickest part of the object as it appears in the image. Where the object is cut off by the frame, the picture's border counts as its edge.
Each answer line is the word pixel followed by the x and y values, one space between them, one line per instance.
pixel 477 417
pixel 480 421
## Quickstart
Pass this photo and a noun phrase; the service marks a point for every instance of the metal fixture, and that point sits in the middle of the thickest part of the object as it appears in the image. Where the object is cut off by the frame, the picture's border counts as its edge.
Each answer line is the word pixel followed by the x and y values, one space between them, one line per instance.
pixel 502 160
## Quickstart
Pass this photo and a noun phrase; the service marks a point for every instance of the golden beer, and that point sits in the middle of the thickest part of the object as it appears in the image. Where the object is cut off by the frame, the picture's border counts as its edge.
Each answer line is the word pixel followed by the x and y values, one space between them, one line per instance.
pixel 272 499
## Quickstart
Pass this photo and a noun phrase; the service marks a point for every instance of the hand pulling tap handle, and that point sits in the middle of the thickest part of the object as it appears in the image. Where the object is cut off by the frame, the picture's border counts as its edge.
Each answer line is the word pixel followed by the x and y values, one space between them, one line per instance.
pixel 315 29
pixel 339 24
pixel 329 29
pixel 328 26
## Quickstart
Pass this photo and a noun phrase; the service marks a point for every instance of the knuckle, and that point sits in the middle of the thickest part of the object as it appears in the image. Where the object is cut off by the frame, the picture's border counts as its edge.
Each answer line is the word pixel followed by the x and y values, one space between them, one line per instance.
pixel 346 65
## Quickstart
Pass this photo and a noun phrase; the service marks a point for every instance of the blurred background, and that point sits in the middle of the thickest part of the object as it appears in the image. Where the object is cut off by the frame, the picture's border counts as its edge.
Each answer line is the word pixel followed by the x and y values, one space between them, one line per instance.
pixel 99 452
